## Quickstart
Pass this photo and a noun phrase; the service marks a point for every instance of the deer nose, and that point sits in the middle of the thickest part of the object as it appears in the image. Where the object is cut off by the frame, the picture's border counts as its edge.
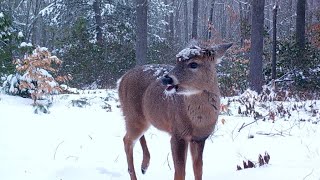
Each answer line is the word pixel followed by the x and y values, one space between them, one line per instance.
pixel 167 80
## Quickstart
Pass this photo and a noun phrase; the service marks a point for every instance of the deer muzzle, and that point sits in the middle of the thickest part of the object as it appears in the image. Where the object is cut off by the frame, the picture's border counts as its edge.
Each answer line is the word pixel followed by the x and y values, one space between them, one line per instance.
pixel 169 82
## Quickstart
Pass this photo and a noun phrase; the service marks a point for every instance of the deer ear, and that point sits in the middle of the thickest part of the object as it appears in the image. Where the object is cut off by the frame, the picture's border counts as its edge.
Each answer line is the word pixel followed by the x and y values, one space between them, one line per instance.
pixel 220 50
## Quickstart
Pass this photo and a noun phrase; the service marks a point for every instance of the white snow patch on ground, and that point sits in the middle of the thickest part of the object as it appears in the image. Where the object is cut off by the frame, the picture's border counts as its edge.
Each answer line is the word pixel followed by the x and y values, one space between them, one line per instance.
pixel 73 143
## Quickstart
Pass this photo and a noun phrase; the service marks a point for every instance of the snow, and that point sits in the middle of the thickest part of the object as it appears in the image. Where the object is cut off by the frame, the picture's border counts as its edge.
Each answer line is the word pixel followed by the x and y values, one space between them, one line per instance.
pixel 20 35
pixel 41 49
pixel 108 9
pixel 10 83
pixel 189 52
pixel 52 83
pixel 44 72
pixel 47 10
pixel 159 70
pixel 26 77
pixel 1 15
pixel 73 143
pixel 90 2
pixel 24 44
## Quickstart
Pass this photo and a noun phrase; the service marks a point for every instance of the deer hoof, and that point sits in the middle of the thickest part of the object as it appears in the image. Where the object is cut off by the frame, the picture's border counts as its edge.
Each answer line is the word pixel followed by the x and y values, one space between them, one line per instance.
pixel 144 170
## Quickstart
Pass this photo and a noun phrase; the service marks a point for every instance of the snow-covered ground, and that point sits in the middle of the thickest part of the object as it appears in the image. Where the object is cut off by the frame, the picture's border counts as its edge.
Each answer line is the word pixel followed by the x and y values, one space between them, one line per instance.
pixel 85 143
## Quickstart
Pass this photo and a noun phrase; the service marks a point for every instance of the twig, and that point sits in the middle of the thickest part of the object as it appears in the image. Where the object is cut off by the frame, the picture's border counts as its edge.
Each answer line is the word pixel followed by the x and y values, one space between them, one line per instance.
pixel 308 174
pixel 116 160
pixel 269 134
pixel 232 133
pixel 55 152
pixel 245 125
pixel 281 78
pixel 90 137
pixel 75 157
pixel 168 161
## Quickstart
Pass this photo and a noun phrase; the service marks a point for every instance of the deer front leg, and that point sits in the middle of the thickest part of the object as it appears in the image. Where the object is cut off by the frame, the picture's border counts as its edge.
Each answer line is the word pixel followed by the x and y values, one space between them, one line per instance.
pixel 196 149
pixel 179 154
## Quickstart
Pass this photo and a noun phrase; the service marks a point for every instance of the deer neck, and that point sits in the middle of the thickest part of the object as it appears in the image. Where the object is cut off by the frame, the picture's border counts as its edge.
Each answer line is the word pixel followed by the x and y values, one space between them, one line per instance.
pixel 203 108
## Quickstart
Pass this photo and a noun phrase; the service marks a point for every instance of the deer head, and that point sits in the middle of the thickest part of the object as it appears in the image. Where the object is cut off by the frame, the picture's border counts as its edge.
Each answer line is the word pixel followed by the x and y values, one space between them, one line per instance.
pixel 195 70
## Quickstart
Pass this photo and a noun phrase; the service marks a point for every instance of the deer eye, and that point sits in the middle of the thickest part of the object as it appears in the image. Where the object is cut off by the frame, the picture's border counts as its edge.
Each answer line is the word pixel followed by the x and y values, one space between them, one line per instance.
pixel 193 65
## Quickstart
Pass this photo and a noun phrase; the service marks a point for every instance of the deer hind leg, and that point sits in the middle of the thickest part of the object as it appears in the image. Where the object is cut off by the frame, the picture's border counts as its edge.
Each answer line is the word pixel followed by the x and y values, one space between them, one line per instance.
pixel 135 131
pixel 146 155
pixel 196 149
pixel 129 142
pixel 179 154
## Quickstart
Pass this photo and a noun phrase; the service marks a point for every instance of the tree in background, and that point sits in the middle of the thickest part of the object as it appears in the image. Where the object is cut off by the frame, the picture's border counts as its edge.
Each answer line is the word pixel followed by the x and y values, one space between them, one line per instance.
pixel 38 74
pixel 255 71
pixel 210 21
pixel 10 44
pixel 96 39
pixel 300 30
pixel 141 31
pixel 6 37
pixel 186 22
pixel 195 9
pixel 274 41
pixel 98 21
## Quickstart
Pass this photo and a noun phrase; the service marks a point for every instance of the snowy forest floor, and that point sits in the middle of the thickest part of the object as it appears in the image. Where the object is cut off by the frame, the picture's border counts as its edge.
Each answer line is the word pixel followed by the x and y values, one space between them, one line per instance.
pixel 82 143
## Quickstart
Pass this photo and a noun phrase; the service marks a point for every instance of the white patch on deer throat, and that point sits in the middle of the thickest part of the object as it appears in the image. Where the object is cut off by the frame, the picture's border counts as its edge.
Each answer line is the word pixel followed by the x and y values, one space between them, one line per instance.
pixel 189 92
pixel 170 92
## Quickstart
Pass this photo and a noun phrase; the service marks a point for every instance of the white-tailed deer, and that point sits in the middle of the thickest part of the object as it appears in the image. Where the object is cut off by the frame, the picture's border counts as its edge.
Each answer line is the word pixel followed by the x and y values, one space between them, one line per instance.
pixel 183 100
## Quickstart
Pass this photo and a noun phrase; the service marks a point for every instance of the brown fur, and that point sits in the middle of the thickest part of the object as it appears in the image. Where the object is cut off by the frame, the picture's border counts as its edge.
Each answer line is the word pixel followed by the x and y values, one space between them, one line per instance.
pixel 188 118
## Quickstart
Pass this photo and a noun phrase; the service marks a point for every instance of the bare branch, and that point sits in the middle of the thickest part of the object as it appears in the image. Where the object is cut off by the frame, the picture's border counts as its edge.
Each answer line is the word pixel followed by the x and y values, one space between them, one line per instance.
pixel 245 125
pixel 55 152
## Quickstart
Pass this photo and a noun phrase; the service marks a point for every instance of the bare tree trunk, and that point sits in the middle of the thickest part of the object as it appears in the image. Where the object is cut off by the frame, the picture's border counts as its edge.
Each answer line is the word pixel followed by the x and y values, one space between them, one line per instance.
pixel 255 73
pixel 274 41
pixel 210 24
pixel 167 27
pixel 98 21
pixel 141 31
pixel 177 22
pixel 171 24
pixel 290 19
pixel 300 28
pixel 186 22
pixel 28 33
pixel 224 21
pixel 241 25
pixel 35 31
pixel 203 19
pixel 195 13
pixel 310 13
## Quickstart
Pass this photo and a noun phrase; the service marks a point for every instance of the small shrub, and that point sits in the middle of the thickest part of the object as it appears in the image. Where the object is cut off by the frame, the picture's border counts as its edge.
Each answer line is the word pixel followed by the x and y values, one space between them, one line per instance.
pixel 82 102
pixel 35 76
pixel 262 160
pixel 41 108
pixel 233 72
pixel 107 107
pixel 295 72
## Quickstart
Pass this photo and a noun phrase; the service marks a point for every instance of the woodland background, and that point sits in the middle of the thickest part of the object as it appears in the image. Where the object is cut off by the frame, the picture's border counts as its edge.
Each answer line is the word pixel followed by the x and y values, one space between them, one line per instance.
pixel 99 40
